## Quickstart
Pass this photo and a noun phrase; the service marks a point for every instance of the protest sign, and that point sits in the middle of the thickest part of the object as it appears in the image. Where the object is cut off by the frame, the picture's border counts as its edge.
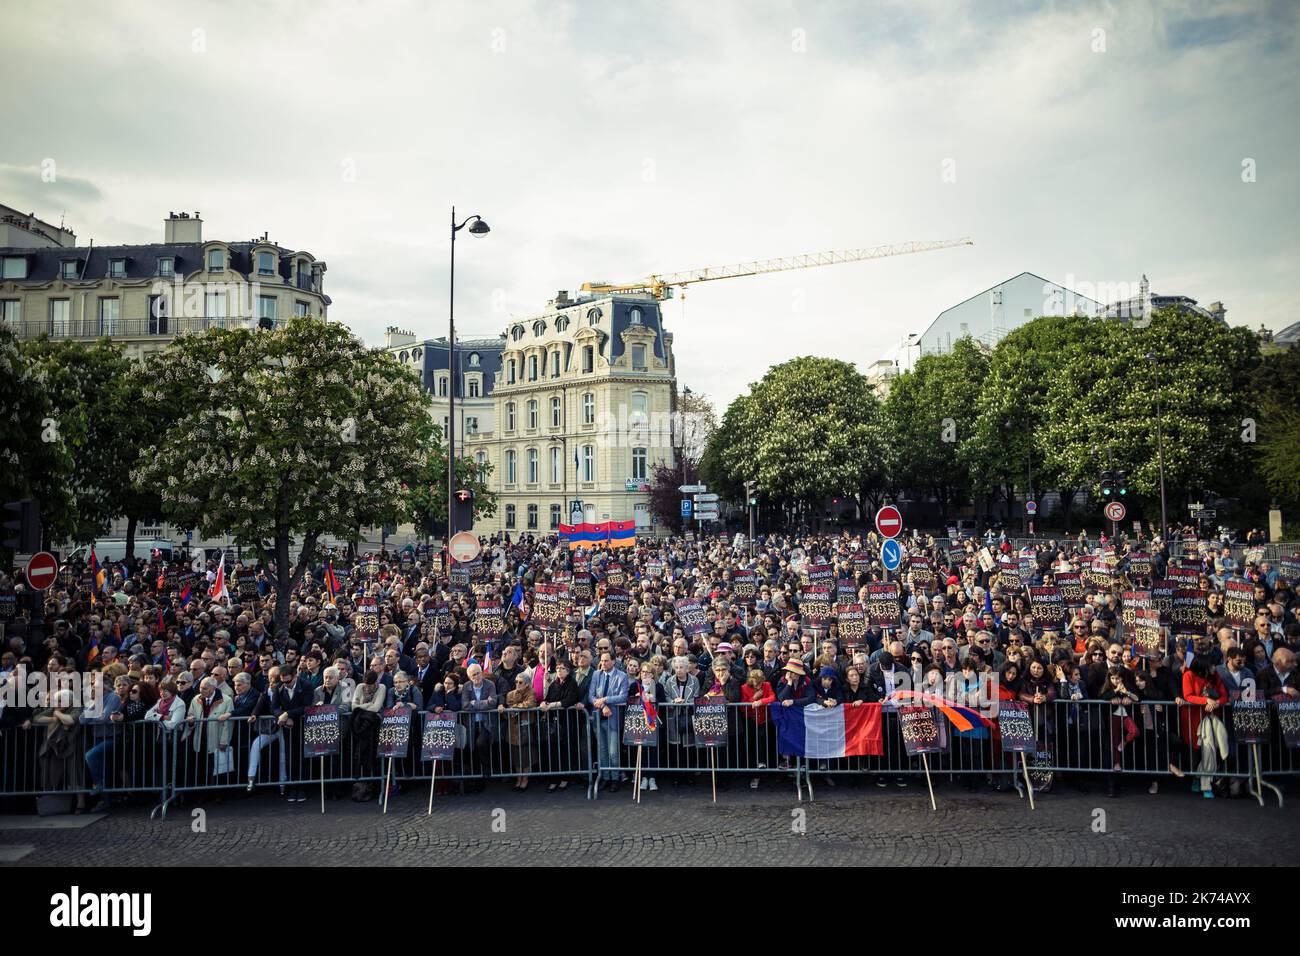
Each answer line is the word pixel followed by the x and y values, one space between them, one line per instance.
pixel 1016 729
pixel 365 619
pixel 394 731
pixel 615 575
pixel 919 571
pixel 853 625
pixel 1139 564
pixel 1047 607
pixel 1189 614
pixel 691 616
pixel 1162 599
pixel 1148 635
pixel 546 607
pixel 616 603
pixel 846 591
pixel 438 741
pixel 1071 585
pixel 1250 721
pixel 1239 602
pixel 920 730
pixel 883 603
pixel 321 733
pixel 816 605
pixel 709 722
pixel 489 619
pixel 636 728
pixel 1288 716
pixel 1130 603
pixel 744 586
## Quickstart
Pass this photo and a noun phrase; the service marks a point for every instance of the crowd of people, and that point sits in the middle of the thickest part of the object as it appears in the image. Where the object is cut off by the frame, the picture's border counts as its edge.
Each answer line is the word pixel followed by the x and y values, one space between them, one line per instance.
pixel 540 696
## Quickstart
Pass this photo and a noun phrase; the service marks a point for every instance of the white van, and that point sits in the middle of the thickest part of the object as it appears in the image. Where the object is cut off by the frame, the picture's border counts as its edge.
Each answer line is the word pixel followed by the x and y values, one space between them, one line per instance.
pixel 114 549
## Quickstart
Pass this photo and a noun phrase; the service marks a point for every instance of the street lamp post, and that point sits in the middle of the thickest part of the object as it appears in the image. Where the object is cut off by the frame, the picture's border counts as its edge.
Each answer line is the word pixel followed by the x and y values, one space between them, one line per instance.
pixel 478 228
pixel 1160 447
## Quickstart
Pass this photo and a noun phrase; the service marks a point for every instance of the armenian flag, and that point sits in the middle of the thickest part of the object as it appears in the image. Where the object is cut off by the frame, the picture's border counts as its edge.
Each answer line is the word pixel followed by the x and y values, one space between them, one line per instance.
pixel 331 582
pixel 94 575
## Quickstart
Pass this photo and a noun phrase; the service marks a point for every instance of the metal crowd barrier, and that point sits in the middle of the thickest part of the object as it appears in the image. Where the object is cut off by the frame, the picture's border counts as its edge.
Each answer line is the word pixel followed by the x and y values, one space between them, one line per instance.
pixel 677 757
pixel 116 760
pixel 1073 740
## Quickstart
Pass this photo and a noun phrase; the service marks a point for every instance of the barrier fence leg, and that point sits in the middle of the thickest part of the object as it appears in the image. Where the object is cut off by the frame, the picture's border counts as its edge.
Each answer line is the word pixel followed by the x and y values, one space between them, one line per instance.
pixel 1260 782
pixel 802 768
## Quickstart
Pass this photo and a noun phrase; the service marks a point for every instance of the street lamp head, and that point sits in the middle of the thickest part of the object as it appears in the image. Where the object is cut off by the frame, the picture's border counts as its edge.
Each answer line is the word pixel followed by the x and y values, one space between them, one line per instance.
pixel 478 227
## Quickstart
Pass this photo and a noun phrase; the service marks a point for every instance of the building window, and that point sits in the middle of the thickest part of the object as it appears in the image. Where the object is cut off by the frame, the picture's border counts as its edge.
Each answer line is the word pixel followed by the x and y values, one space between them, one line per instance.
pixel 166 266
pixel 158 310
pixel 510 516
pixel 214 309
pixel 555 517
pixel 15 267
pixel 638 464
pixel 532 466
pixel 68 269
pixel 471 425
pixel 517 332
pixel 555 412
pixel 588 358
pixel 304 275
pixel 532 517
pixel 557 465
pixel 639 413
pixel 510 372
pixel 593 316
pixel 555 364
pixel 216 260
pixel 532 413
pixel 442 386
pixel 638 356
pixel 512 458
pixel 588 460
pixel 109 313
pixel 532 368
pixel 510 416
pixel 561 323
pixel 588 408
pixel 266 264
pixel 60 310
pixel 266 308
pixel 473 387
pixel 539 328
pixel 301 309
pixel 480 464
pixel 634 316
pixel 11 311
pixel 117 268
pixel 402 357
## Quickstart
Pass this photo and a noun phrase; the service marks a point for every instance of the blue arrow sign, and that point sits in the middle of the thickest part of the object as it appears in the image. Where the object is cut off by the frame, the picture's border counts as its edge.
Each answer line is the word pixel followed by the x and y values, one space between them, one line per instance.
pixel 891 554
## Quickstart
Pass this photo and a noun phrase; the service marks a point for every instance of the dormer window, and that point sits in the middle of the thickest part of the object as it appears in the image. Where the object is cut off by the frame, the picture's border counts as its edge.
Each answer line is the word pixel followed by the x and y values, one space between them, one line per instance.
pixel 539 328
pixel 634 316
pixel 68 269
pixel 14 267
pixel 117 268
pixel 417 354
pixel 517 332
pixel 266 263
pixel 593 316
pixel 638 356
pixel 561 323
pixel 166 267
pixel 216 260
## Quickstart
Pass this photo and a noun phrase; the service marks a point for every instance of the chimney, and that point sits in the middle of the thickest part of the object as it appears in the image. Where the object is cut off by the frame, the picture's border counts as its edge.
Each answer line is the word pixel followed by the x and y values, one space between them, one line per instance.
pixel 1219 312
pixel 179 227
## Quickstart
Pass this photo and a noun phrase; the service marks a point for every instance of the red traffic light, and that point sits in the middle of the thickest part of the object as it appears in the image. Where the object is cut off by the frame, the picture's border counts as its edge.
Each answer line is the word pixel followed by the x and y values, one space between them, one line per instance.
pixel 464 495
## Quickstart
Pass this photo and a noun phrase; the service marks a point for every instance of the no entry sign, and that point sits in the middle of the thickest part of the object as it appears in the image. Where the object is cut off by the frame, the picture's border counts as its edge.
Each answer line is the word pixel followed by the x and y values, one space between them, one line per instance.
pixel 42 569
pixel 889 521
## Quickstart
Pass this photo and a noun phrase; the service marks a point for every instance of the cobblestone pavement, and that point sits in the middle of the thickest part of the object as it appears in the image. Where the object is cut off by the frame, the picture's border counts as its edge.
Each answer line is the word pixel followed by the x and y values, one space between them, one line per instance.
pixel 843 826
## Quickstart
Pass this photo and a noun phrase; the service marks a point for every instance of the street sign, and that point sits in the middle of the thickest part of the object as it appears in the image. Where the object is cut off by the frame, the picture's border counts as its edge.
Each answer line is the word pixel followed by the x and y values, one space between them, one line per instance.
pixel 706 514
pixel 686 507
pixel 705 499
pixel 42 569
pixel 889 521
pixel 1031 507
pixel 891 554
pixel 692 489
pixel 464 547
pixel 1116 511
pixel 1205 513
pixel 1199 506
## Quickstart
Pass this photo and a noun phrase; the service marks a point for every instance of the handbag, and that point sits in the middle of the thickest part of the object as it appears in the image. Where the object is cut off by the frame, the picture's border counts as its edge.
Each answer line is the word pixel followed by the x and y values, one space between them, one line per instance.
pixel 1130 730
pixel 225 761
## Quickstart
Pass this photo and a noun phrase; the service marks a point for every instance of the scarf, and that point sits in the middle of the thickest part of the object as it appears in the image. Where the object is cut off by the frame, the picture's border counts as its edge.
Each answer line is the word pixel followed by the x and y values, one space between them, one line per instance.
pixel 165 706
pixel 539 681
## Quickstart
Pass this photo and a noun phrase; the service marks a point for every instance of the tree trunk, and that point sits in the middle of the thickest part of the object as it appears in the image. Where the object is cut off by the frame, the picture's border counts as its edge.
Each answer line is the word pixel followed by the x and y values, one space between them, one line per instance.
pixel 130 541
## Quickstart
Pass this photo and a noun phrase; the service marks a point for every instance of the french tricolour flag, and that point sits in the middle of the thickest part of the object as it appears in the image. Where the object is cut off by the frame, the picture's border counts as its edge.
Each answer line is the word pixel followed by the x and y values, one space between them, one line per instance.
pixel 820 733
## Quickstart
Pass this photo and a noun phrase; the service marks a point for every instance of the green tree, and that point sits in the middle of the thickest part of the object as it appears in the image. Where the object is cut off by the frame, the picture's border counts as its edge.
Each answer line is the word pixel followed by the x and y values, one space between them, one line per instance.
pixel 1105 397
pixel 1277 448
pixel 930 424
pixel 1012 407
pixel 296 432
pixel 94 418
pixel 807 431
pixel 426 501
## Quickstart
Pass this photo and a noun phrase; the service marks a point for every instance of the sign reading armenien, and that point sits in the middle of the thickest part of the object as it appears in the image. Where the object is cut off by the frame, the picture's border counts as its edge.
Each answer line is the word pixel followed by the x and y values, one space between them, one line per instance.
pixel 320 731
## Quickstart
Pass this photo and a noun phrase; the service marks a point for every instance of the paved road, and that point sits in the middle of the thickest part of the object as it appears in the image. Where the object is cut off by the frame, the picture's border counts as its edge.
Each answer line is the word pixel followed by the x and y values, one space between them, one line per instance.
pixel 682 827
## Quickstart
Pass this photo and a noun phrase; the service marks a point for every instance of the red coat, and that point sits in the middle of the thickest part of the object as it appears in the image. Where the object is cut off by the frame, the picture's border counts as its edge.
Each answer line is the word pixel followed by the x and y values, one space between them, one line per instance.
pixel 1190 714
pixel 764 694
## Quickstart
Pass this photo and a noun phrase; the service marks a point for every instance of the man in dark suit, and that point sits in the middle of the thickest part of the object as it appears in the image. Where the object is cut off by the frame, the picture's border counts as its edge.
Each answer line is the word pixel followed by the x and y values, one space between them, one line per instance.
pixel 287 698
pixel 1279 680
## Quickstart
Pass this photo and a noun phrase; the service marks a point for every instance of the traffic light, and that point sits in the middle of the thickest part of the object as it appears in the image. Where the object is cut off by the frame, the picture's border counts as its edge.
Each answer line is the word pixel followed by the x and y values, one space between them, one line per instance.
pixel 1121 483
pixel 464 504
pixel 1108 485
pixel 26 526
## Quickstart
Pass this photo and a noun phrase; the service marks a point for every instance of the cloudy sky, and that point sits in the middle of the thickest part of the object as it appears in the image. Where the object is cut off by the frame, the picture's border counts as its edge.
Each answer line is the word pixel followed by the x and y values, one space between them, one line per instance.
pixel 1081 141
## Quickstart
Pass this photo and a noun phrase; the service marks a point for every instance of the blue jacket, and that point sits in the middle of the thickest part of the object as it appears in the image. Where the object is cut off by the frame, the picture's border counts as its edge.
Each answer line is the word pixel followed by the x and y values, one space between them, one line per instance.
pixel 612 686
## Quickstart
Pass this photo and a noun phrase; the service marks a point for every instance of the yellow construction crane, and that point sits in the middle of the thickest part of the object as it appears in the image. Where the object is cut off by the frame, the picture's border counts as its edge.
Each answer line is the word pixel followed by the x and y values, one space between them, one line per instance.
pixel 661 286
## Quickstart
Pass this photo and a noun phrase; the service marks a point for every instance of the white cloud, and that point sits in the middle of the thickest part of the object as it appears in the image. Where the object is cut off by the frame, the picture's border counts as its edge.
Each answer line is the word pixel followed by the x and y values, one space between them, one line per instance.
pixel 608 141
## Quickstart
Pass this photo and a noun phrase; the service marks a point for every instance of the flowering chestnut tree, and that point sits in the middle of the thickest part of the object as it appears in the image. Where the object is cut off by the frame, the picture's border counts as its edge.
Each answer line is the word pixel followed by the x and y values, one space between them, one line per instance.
pixel 284 435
